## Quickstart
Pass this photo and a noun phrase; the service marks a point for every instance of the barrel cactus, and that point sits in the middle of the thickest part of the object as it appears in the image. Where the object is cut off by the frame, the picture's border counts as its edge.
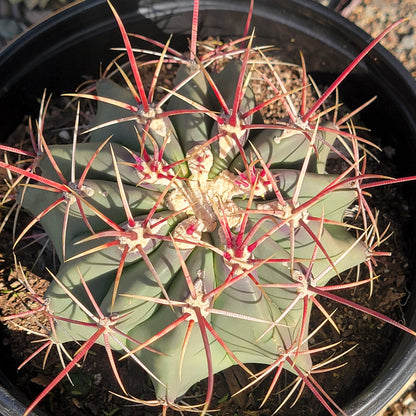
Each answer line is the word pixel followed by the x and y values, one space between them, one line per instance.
pixel 192 235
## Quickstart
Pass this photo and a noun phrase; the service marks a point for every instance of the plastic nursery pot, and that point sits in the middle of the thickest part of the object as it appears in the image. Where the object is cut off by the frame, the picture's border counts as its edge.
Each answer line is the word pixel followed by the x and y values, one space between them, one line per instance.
pixel 58 52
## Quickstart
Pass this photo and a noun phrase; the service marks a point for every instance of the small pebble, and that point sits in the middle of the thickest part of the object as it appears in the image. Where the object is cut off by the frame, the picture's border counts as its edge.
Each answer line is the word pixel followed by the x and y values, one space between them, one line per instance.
pixel 9 28
pixel 64 135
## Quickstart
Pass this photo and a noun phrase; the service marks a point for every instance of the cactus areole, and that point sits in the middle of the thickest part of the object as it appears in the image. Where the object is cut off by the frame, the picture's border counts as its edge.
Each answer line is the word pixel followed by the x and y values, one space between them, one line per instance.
pixel 193 235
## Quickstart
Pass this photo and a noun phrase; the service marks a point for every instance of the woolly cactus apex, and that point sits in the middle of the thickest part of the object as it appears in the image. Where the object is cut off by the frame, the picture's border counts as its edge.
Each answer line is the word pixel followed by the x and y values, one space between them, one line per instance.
pixel 193 237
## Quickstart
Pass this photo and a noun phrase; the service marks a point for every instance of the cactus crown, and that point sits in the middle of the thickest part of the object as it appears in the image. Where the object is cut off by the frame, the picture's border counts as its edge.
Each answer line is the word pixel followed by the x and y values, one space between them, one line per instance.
pixel 192 235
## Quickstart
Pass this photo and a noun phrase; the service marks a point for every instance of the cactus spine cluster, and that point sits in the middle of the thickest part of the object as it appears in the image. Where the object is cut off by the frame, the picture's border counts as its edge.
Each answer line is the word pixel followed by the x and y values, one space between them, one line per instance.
pixel 193 236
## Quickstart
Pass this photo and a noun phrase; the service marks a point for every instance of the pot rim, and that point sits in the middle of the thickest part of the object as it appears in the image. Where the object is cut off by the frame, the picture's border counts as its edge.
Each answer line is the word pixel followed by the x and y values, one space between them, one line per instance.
pixel 402 364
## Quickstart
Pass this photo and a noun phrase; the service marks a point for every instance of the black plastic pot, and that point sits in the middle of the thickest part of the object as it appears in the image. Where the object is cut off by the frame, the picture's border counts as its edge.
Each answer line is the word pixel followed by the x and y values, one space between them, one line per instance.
pixel 58 52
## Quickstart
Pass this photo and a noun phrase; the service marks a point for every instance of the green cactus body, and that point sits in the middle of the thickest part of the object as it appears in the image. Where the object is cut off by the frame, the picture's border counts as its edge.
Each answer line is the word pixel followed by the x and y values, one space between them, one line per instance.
pixel 241 241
